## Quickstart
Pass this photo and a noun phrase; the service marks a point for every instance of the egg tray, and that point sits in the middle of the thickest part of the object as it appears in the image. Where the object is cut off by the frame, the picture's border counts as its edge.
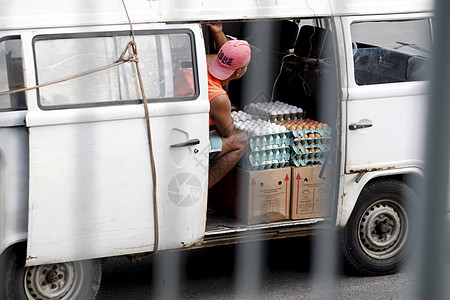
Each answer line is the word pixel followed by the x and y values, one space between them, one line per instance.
pixel 267 116
pixel 310 143
pixel 262 155
pixel 302 133
pixel 308 158
pixel 297 117
pixel 253 160
pixel 249 167
pixel 264 140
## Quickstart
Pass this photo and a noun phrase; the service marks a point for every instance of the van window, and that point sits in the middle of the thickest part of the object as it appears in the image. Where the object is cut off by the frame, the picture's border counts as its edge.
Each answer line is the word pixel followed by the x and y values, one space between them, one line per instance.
pixel 391 51
pixel 11 74
pixel 165 58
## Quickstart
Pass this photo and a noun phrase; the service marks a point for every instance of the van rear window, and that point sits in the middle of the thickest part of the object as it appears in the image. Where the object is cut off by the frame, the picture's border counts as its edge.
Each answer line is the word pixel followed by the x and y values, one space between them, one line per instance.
pixel 11 74
pixel 388 51
pixel 166 62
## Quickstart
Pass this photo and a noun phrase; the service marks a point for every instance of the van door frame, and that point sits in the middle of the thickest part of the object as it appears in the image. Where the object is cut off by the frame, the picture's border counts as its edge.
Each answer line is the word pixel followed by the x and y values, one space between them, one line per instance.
pixel 13 169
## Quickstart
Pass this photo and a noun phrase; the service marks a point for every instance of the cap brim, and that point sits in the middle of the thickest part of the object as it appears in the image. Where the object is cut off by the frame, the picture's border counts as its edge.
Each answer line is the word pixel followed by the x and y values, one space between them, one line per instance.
pixel 218 71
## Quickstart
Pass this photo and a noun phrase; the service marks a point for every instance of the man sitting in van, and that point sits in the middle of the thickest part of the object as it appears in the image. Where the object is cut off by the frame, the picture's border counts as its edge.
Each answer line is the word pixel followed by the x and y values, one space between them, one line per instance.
pixel 228 144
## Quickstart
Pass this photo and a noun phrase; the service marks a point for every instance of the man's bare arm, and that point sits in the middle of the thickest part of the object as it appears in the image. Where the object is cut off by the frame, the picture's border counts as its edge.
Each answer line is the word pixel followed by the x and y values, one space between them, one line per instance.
pixel 220 112
pixel 218 35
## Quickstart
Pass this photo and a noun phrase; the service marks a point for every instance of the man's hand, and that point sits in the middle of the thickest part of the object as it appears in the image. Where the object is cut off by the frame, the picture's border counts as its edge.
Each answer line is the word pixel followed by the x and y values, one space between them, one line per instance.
pixel 215 27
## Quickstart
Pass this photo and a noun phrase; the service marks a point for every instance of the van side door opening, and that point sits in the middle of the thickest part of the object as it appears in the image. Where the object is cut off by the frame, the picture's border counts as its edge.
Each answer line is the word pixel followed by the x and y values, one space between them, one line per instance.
pixel 291 62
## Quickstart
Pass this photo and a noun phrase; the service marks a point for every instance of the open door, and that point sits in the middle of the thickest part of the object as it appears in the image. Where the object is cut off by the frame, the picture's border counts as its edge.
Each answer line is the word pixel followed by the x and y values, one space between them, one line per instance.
pixel 91 183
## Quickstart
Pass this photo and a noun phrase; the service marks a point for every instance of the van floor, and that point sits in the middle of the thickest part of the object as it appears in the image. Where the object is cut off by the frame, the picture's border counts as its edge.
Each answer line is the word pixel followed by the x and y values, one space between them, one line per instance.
pixel 222 230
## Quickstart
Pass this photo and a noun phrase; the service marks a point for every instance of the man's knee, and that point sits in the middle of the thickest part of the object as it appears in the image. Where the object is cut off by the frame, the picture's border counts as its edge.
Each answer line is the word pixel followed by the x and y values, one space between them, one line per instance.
pixel 237 143
pixel 241 140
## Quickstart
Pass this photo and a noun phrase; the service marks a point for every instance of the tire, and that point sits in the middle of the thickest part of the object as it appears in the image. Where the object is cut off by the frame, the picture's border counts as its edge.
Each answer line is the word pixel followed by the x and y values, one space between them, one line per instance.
pixel 377 237
pixel 63 281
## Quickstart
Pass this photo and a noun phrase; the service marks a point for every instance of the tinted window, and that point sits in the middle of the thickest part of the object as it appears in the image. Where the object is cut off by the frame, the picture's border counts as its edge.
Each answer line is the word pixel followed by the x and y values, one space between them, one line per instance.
pixel 386 52
pixel 166 63
pixel 11 74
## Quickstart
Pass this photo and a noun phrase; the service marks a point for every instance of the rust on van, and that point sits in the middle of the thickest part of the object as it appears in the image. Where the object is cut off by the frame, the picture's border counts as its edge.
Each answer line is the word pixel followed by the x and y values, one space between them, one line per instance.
pixel 370 170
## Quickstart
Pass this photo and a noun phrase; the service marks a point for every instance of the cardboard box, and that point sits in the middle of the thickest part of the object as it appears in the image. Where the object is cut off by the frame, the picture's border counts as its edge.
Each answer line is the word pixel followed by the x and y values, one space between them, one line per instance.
pixel 310 194
pixel 256 197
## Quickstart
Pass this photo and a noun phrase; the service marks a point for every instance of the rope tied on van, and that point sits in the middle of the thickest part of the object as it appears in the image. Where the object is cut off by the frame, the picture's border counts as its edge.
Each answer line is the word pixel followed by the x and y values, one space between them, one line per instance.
pixel 130 53
pixel 117 63
pixel 133 56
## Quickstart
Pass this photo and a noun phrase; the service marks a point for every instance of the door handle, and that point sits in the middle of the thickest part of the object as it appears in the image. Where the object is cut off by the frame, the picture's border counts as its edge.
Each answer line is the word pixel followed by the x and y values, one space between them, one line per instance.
pixel 186 144
pixel 358 126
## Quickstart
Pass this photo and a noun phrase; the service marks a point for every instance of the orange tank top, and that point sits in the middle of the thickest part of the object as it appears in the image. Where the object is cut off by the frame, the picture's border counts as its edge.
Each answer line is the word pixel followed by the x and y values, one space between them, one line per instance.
pixel 214 89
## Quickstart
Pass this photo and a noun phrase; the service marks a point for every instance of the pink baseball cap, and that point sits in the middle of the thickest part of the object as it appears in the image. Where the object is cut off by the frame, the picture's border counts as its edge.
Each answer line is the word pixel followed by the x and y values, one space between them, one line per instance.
pixel 232 55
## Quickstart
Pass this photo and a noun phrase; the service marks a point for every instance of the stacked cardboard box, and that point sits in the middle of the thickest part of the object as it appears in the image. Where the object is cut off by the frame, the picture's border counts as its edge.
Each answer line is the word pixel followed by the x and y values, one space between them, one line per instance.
pixel 254 197
pixel 310 193
pixel 273 195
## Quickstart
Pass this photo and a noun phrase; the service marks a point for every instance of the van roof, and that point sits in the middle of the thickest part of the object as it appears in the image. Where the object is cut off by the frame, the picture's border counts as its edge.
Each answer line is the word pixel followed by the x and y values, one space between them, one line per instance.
pixel 50 13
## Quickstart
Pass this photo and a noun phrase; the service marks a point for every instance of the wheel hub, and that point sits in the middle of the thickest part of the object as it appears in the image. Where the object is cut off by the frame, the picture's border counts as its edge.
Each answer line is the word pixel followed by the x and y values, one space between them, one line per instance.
pixel 381 229
pixel 49 281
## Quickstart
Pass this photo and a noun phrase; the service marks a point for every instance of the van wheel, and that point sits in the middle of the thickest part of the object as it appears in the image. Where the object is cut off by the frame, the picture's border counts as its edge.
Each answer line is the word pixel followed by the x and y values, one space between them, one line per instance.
pixel 376 239
pixel 71 280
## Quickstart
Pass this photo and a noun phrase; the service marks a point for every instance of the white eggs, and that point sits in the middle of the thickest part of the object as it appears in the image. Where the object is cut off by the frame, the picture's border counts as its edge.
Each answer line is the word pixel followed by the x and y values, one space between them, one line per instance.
pixel 267 138
pixel 273 111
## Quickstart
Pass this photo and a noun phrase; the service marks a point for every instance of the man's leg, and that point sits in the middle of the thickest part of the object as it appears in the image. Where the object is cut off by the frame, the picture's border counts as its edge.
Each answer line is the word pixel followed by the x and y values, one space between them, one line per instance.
pixel 233 148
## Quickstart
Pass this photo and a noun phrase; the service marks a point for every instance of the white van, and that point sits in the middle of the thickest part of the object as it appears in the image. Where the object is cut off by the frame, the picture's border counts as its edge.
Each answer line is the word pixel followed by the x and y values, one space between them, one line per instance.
pixel 80 182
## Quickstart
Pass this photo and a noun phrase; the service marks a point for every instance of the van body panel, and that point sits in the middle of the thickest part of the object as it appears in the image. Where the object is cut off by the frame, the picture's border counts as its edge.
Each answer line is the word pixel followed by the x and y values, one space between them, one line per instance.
pixel 81 175
pixel 13 119
pixel 182 179
pixel 393 144
pixel 91 182
pixel 97 114
pixel 13 183
pixel 31 14
pixel 358 7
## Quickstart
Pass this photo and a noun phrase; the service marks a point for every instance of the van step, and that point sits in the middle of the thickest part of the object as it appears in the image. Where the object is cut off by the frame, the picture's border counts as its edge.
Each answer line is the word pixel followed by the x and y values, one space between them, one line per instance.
pixel 221 230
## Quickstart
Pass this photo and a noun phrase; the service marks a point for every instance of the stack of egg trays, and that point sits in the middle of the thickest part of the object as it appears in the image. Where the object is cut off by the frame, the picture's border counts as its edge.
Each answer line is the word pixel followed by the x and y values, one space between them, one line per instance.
pixel 301 142
pixel 263 147
pixel 269 140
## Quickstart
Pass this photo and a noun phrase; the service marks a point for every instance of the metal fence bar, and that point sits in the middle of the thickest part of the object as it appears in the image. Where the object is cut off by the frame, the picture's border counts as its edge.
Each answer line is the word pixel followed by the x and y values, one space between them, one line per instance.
pixel 434 247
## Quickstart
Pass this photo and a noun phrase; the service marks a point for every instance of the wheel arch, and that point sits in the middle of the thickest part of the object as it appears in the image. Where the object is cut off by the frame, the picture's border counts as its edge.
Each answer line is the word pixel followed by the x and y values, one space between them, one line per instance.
pixel 354 184
pixel 18 239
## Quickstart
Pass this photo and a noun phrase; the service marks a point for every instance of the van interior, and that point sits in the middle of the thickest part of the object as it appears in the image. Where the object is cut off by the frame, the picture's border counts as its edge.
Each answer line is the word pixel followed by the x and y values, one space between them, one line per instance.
pixel 292 62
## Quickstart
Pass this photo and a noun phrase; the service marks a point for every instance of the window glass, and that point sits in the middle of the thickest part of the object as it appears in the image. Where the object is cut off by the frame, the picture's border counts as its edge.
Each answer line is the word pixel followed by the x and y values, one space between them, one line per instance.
pixel 165 61
pixel 11 74
pixel 388 51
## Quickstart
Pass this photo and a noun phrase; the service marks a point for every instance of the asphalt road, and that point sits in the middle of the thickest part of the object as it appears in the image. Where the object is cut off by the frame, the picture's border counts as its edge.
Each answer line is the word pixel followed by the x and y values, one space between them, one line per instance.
pixel 283 272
